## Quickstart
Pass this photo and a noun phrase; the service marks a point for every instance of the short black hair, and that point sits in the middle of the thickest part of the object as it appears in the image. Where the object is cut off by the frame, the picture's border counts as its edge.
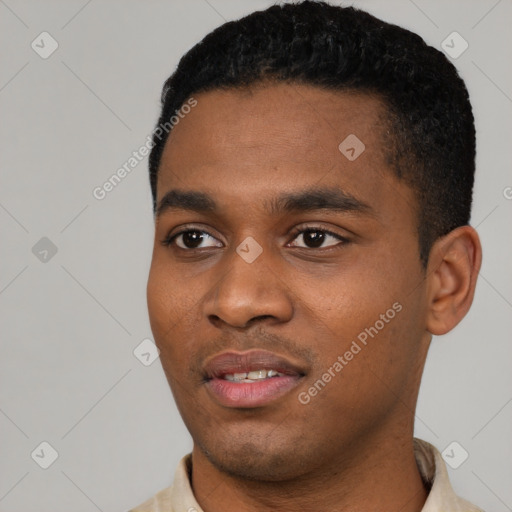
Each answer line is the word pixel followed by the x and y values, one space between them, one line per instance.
pixel 430 122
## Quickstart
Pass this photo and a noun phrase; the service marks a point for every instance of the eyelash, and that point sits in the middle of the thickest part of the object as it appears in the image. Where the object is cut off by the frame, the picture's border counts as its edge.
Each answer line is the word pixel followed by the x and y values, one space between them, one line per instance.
pixel 317 229
pixel 169 240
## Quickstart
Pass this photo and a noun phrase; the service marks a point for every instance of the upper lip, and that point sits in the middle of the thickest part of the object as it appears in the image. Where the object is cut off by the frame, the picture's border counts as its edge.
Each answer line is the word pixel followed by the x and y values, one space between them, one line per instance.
pixel 238 362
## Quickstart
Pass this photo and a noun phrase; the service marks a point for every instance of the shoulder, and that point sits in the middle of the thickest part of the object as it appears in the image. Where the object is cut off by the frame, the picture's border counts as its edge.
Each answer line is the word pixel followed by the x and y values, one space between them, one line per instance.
pixel 176 497
pixel 434 473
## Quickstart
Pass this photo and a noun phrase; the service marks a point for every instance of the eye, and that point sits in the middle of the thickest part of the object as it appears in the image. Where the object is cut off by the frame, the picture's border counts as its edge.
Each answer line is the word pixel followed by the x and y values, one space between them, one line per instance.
pixel 192 239
pixel 314 238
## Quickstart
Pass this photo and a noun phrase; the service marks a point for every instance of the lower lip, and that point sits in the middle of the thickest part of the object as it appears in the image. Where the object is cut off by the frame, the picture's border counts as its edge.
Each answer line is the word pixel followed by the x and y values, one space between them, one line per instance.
pixel 251 394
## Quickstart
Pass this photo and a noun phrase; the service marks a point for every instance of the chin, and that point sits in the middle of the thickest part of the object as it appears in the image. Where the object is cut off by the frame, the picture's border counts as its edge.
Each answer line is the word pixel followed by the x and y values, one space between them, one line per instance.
pixel 256 460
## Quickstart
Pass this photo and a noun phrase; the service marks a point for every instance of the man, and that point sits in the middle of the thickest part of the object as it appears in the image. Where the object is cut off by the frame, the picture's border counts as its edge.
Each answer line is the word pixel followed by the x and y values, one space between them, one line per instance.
pixel 312 202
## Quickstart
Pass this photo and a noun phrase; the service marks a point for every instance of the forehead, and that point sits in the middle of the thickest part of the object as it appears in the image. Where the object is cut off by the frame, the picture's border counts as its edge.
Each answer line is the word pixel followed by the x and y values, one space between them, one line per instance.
pixel 298 121
pixel 279 136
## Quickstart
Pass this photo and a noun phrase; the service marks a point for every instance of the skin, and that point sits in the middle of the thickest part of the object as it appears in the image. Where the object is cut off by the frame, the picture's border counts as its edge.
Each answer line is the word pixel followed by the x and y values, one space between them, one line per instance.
pixel 350 447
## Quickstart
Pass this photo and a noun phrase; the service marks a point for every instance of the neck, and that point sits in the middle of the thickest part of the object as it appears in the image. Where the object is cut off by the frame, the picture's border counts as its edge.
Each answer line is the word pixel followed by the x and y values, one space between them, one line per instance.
pixel 379 475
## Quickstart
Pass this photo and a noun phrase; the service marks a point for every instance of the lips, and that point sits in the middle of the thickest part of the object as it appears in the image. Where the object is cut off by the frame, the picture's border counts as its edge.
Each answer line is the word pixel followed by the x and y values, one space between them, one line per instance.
pixel 250 379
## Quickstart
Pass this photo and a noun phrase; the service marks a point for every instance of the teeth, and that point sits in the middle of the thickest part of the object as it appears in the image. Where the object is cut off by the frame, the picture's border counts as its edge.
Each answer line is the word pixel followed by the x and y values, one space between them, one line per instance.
pixel 235 376
pixel 260 374
pixel 252 376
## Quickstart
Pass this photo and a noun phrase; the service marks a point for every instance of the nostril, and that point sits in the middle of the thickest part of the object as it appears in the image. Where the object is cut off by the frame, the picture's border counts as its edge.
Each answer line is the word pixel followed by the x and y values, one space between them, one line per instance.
pixel 259 319
pixel 217 321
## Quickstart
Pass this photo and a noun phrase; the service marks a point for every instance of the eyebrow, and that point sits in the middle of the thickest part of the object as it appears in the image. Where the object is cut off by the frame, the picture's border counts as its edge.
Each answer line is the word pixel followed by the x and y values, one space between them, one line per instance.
pixel 333 199
pixel 185 200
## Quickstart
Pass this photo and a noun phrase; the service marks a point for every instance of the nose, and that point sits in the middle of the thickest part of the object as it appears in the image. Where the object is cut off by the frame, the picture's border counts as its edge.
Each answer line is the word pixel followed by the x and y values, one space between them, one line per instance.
pixel 249 292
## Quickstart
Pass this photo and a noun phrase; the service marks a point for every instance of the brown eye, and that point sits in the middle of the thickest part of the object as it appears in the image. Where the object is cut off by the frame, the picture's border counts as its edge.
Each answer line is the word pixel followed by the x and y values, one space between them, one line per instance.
pixel 193 239
pixel 315 238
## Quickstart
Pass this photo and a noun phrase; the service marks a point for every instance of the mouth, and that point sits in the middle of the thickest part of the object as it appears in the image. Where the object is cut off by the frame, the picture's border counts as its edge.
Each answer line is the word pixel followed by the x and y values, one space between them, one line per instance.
pixel 250 379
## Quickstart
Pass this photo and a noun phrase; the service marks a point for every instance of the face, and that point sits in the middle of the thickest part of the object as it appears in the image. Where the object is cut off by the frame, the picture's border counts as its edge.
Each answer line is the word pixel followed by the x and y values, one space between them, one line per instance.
pixel 286 291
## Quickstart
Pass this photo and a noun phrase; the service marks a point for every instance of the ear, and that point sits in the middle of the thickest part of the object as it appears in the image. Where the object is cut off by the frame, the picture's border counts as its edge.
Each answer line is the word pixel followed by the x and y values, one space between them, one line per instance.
pixel 453 266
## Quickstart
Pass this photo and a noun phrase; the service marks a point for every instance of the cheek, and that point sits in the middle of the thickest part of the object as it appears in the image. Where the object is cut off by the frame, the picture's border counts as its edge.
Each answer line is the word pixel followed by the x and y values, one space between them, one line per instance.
pixel 349 300
pixel 173 306
pixel 167 301
pixel 369 301
pixel 160 302
pixel 381 342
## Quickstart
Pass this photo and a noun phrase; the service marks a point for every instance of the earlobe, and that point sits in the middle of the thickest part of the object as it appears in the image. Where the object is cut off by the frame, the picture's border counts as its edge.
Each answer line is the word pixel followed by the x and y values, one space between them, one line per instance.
pixel 452 271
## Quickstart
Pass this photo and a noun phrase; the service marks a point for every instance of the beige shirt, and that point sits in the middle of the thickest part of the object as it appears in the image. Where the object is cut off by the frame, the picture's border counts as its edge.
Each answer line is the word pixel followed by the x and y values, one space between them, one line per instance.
pixel 180 498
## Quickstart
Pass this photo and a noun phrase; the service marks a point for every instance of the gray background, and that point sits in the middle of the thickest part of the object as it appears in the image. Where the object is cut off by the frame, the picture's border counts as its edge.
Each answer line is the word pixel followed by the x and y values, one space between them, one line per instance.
pixel 70 323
